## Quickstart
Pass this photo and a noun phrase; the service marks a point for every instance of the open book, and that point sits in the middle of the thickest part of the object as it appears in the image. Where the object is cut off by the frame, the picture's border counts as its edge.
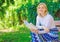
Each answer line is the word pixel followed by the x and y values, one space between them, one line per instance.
pixel 30 25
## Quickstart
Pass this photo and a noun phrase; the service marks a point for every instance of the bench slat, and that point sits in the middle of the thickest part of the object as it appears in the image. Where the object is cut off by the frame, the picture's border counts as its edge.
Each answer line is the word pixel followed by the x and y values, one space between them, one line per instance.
pixel 57 23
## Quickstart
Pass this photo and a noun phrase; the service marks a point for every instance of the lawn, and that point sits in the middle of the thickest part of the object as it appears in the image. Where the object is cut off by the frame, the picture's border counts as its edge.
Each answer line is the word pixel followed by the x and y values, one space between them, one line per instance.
pixel 23 35
pixel 59 35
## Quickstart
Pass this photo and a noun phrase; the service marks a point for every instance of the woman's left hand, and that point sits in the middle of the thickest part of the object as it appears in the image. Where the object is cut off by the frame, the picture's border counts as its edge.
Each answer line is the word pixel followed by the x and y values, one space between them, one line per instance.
pixel 34 30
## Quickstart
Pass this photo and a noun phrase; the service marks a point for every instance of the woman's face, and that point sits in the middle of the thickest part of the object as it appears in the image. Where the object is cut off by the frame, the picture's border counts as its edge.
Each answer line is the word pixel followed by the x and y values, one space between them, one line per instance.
pixel 42 10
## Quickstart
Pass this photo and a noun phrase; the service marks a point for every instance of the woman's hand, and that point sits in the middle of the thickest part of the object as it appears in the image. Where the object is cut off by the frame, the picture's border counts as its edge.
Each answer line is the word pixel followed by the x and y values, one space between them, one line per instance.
pixel 46 29
pixel 34 30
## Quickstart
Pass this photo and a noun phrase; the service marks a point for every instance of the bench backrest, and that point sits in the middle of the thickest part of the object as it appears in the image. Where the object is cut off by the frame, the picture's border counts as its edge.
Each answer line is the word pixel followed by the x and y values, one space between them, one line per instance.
pixel 57 23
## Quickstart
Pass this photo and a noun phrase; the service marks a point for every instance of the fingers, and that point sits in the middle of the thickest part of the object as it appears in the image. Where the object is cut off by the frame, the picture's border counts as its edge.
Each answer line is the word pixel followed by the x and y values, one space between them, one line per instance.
pixel 34 31
pixel 46 30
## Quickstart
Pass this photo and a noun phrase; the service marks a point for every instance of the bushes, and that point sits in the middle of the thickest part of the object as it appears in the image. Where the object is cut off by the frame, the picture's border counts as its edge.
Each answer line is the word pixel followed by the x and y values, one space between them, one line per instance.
pixel 14 12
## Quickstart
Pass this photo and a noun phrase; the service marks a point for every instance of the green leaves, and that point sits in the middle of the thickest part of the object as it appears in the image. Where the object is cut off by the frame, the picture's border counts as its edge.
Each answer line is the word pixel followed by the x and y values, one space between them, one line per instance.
pixel 14 11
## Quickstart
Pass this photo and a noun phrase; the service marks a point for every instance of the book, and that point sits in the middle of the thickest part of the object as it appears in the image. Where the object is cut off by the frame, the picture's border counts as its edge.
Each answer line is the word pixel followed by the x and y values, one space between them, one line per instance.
pixel 30 25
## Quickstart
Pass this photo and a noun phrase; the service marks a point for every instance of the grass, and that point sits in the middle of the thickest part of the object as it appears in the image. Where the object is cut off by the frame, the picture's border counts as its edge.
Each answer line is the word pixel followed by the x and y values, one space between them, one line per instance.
pixel 23 35
pixel 59 35
pixel 14 37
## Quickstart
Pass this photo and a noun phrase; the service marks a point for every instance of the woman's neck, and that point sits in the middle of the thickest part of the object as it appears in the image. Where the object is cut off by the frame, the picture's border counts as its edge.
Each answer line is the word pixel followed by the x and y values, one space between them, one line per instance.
pixel 43 15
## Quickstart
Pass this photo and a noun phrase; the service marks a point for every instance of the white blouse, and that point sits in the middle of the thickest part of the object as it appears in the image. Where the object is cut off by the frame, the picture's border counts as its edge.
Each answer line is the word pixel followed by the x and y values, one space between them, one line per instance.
pixel 46 21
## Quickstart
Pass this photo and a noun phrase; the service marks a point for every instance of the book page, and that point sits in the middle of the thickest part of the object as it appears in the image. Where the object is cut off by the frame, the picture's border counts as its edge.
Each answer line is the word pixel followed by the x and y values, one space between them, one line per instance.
pixel 29 25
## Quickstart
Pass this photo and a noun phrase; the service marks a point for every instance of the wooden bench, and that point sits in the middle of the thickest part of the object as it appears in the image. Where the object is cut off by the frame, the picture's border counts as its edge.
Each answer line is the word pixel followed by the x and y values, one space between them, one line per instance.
pixel 57 23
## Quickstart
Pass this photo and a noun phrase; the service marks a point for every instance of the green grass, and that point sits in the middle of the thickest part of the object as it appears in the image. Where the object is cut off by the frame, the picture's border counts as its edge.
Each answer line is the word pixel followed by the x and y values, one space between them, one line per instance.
pixel 23 35
pixel 59 35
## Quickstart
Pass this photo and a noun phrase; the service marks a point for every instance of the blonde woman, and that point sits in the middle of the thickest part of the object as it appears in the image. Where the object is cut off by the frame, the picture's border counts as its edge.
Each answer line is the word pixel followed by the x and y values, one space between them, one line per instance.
pixel 47 31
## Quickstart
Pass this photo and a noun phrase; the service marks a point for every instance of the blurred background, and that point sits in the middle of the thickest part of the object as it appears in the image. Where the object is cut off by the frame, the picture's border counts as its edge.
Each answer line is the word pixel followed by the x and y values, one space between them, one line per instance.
pixel 12 12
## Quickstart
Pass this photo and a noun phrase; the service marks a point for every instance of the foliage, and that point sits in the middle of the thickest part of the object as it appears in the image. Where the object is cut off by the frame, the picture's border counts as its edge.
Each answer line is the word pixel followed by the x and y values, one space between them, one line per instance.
pixel 14 11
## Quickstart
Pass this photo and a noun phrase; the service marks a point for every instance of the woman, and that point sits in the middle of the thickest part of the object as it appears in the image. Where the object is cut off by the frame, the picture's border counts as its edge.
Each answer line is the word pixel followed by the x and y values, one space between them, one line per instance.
pixel 47 31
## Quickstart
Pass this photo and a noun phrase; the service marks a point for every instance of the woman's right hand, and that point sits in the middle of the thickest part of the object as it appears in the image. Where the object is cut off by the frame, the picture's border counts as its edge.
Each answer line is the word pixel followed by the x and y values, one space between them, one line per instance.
pixel 46 29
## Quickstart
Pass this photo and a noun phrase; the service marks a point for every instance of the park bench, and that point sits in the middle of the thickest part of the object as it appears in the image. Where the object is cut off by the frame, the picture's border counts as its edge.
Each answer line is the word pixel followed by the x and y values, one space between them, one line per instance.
pixel 57 23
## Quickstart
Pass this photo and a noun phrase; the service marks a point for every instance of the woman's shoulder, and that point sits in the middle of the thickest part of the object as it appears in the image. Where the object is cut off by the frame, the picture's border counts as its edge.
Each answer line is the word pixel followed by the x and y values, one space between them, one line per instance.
pixel 37 17
pixel 50 16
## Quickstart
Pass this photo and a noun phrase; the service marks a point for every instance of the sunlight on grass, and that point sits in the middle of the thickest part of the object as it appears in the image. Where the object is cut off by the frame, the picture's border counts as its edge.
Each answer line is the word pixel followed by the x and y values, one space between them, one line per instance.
pixel 22 35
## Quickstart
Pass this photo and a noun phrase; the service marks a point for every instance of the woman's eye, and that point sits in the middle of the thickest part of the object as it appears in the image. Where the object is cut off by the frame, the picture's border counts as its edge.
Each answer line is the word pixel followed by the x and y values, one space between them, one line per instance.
pixel 41 8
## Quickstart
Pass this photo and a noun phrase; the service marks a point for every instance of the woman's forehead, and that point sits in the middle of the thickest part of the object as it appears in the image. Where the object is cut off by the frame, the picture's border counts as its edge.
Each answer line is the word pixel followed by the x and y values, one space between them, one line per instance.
pixel 42 5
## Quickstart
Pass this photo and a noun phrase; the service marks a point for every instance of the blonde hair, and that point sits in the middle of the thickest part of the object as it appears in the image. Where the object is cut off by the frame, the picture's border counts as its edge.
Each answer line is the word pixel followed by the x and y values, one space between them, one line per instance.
pixel 43 5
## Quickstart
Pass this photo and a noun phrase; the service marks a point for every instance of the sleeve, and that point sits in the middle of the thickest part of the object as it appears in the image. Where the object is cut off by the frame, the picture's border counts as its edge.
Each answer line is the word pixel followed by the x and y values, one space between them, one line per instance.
pixel 50 23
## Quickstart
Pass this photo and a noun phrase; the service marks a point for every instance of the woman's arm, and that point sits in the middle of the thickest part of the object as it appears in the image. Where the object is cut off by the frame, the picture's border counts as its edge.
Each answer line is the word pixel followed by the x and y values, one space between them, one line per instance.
pixel 46 30
pixel 50 23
